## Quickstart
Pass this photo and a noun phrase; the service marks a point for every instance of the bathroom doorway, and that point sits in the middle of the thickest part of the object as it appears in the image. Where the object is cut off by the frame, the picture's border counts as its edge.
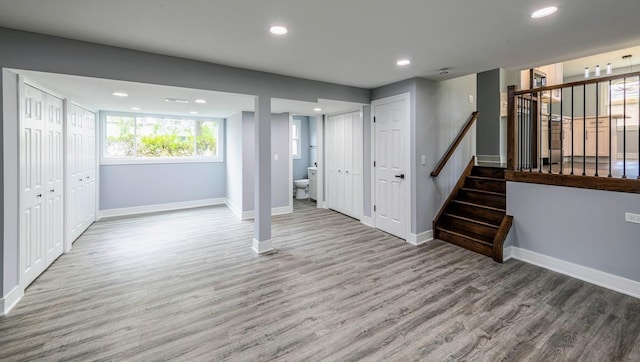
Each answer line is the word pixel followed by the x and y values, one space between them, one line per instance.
pixel 304 154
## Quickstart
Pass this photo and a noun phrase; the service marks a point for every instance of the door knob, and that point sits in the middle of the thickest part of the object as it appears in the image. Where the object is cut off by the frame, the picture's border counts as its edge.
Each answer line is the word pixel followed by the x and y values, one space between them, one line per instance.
pixel 52 190
pixel 400 176
pixel 347 171
pixel 80 179
pixel 39 195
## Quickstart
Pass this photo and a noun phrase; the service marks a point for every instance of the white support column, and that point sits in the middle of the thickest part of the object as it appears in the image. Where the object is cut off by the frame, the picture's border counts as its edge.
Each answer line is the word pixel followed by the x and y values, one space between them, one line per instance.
pixel 262 202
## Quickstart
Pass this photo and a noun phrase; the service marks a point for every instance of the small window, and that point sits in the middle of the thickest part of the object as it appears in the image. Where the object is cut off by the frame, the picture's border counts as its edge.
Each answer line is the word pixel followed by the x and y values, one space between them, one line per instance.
pixel 134 138
pixel 296 147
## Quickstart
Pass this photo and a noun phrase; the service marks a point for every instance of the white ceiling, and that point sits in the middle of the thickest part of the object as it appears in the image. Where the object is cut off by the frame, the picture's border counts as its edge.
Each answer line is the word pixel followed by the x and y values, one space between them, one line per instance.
pixel 97 94
pixel 354 42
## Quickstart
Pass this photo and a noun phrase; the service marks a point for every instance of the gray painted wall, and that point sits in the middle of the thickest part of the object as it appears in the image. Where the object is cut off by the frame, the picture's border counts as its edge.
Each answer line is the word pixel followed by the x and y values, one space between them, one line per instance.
pixel 10 212
pixel 300 165
pixel 150 184
pixel 280 141
pixel 31 51
pixel 234 157
pixel 488 123
pixel 585 227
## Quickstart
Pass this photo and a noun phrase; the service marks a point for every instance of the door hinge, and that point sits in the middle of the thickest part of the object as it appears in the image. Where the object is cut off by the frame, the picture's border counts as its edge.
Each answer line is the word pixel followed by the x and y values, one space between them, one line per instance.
pixel 374 208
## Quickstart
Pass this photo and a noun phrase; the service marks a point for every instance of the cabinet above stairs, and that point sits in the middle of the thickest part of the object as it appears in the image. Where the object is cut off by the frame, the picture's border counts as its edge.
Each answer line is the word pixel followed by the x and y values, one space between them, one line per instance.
pixel 474 216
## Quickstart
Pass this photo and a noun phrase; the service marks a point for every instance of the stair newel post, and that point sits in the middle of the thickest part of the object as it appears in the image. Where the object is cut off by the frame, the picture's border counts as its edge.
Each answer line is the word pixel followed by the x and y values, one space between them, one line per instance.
pixel 511 128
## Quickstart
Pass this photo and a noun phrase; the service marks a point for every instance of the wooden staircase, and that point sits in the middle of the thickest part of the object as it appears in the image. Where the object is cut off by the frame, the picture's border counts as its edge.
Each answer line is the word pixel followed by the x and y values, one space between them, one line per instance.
pixel 474 217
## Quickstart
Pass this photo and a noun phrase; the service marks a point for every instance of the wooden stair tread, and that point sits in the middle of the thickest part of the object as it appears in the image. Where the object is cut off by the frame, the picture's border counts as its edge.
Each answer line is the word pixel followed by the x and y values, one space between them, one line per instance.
pixel 464 236
pixel 479 205
pixel 485 178
pixel 483 192
pixel 472 220
pixel 473 237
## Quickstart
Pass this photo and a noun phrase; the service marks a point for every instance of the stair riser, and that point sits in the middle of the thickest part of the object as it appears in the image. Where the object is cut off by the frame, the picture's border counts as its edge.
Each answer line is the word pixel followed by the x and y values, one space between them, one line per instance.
pixel 496 201
pixel 468 228
pixel 465 243
pixel 488 172
pixel 477 213
pixel 486 185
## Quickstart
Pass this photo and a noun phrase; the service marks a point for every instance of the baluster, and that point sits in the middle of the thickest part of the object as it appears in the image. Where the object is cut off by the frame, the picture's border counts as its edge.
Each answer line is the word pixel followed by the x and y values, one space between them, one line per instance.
pixel 624 129
pixel 584 130
pixel 597 119
pixel 572 129
pixel 539 135
pixel 549 129
pixel 638 128
pixel 561 130
pixel 610 129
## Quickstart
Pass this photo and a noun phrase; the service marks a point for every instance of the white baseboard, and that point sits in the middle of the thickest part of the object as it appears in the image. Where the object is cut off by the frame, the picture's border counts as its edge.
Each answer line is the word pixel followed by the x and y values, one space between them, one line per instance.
pixel 136 210
pixel 489 159
pixel 366 220
pixel 248 215
pixel 593 276
pixel 7 303
pixel 262 247
pixel 419 239
pixel 234 208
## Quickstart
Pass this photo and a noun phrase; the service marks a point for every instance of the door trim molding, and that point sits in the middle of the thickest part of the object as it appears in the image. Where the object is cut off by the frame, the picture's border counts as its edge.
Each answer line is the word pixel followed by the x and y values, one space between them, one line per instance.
pixel 11 300
pixel 407 139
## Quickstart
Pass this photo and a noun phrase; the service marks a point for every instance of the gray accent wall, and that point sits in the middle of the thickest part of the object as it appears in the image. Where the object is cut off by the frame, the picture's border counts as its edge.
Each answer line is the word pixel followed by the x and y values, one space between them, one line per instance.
pixel 131 185
pixel 489 85
pixel 584 227
pixel 300 165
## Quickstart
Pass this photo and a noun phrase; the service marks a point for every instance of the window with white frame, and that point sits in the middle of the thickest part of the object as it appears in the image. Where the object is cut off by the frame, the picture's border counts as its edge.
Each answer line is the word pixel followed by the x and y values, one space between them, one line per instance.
pixel 624 102
pixel 128 137
pixel 296 147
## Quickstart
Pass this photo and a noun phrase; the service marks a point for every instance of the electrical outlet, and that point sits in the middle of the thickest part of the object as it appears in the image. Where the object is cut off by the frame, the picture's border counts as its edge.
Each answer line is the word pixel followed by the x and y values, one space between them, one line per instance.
pixel 634 218
pixel 275 157
pixel 424 160
pixel 470 98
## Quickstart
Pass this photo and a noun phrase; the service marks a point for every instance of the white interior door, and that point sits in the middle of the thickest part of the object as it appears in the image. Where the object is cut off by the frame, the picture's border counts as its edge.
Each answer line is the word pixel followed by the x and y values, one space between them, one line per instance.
pixel 32 185
pixel 339 162
pixel 54 165
pixel 391 173
pixel 348 163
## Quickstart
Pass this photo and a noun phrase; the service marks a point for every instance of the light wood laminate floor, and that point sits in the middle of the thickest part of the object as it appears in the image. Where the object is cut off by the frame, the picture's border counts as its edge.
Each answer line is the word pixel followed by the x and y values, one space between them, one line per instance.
pixel 187 286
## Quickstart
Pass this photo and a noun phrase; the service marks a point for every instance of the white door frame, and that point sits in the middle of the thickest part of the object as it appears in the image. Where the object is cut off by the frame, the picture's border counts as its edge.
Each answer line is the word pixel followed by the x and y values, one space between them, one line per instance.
pixel 290 163
pixel 320 160
pixel 408 175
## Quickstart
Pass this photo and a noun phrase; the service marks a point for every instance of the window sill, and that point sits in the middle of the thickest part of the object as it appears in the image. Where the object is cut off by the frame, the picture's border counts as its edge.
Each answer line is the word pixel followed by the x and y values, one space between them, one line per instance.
pixel 112 162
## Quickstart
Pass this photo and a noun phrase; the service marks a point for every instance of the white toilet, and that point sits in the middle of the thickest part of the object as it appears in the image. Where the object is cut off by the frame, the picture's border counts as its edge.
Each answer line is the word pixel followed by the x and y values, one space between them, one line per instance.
pixel 301 188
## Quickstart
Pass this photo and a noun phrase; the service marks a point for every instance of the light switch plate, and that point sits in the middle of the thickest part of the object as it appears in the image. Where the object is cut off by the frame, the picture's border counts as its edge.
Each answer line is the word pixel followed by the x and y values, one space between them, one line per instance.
pixel 470 98
pixel 634 218
pixel 424 160
pixel 275 157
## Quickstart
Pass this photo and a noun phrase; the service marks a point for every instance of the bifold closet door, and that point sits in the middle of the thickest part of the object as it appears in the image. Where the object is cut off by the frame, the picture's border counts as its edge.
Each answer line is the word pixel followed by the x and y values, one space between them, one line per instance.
pixel 81 170
pixel 41 182
pixel 344 162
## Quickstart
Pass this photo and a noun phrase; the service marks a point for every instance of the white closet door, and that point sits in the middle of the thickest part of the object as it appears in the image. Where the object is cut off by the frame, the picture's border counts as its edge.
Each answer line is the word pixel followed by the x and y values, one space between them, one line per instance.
pixel 75 172
pixel 332 170
pixel 89 168
pixel 54 170
pixel 344 162
pixel 357 152
pixel 32 185
pixel 339 159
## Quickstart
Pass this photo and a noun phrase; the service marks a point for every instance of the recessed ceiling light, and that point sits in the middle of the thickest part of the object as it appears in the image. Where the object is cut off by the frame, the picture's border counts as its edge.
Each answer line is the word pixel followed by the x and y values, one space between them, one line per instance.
pixel 403 62
pixel 120 94
pixel 193 112
pixel 135 108
pixel 318 109
pixel 200 101
pixel 174 100
pixel 544 12
pixel 278 30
